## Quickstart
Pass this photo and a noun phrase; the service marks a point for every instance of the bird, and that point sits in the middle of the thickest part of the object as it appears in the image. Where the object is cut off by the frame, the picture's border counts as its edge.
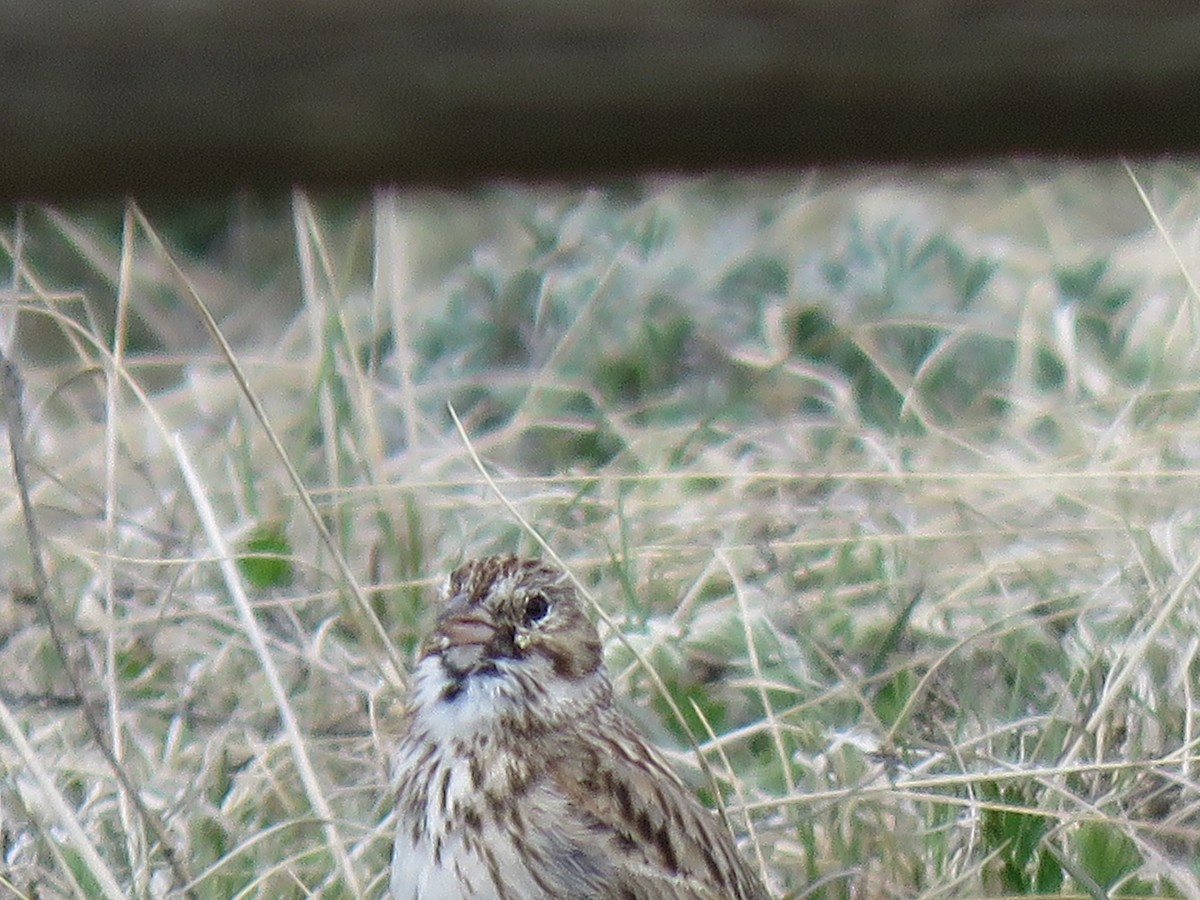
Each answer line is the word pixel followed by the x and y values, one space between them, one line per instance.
pixel 515 776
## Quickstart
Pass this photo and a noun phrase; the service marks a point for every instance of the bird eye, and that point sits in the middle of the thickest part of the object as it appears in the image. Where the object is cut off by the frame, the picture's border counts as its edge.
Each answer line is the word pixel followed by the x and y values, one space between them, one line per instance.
pixel 536 608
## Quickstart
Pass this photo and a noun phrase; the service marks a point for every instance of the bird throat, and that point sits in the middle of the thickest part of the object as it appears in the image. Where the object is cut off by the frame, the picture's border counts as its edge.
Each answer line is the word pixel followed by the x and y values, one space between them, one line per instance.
pixel 462 663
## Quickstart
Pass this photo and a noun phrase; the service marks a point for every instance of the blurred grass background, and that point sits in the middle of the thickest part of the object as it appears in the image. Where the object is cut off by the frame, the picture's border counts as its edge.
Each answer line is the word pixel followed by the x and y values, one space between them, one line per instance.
pixel 892 477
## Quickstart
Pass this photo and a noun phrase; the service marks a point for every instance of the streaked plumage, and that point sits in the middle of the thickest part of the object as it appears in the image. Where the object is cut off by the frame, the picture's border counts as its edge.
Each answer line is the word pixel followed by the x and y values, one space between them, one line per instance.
pixel 516 777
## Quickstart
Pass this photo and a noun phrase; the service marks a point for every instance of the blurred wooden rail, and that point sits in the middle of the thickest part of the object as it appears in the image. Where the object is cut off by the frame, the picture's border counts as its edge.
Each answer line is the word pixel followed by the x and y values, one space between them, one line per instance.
pixel 104 98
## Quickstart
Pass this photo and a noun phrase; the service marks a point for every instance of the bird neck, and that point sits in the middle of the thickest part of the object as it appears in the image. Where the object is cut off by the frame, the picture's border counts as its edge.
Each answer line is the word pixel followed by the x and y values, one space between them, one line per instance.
pixel 512 701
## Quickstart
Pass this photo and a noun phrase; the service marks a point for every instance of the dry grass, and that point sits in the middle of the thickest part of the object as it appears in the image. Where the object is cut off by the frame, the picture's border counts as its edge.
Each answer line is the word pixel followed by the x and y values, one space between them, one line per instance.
pixel 890 478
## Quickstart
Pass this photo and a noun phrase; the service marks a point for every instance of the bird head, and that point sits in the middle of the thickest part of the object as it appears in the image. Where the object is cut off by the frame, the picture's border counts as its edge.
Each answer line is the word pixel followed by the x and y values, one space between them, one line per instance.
pixel 510 626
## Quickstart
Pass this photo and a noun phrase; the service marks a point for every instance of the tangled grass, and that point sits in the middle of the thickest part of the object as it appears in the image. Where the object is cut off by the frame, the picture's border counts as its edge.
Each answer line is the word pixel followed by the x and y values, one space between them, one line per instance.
pixel 885 475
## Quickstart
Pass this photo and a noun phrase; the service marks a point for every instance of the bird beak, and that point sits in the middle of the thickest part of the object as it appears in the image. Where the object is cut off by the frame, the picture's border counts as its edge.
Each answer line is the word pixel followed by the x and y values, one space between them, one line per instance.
pixel 464 631
pixel 464 642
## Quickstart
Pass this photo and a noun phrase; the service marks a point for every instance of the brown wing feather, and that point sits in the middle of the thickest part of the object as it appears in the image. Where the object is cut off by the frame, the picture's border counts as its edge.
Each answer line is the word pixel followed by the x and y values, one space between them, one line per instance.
pixel 664 842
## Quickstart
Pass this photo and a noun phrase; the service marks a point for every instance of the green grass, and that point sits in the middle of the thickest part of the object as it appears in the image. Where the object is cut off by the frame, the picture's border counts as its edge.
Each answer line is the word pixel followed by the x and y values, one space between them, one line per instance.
pixel 891 478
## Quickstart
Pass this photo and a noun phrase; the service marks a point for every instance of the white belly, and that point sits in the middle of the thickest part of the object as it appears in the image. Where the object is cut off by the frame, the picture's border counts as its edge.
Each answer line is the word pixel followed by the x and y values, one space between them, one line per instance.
pixel 461 875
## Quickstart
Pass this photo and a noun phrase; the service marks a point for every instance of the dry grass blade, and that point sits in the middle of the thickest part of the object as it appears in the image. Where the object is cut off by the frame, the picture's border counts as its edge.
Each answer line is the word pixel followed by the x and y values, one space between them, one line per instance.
pixel 11 394
pixel 59 807
pixel 395 670
pixel 253 633
pixel 785 761
pixel 739 792
pixel 112 413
